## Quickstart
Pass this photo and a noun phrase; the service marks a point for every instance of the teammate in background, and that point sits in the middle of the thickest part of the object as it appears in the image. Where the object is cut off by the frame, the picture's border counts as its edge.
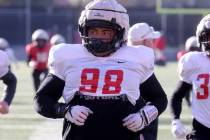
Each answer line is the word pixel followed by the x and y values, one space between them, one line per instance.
pixel 37 55
pixel 143 34
pixel 57 39
pixel 190 45
pixel 194 73
pixel 101 80
pixel 159 47
pixel 4 46
pixel 10 82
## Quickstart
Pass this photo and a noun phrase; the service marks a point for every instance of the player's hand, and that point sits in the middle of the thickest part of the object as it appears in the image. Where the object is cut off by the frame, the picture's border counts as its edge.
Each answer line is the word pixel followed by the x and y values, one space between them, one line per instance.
pixel 32 64
pixel 134 122
pixel 4 107
pixel 178 130
pixel 139 120
pixel 78 114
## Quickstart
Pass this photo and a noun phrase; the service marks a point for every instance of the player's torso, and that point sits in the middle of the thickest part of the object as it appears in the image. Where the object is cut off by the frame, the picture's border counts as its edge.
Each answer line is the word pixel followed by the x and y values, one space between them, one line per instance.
pixel 201 89
pixel 108 76
pixel 40 55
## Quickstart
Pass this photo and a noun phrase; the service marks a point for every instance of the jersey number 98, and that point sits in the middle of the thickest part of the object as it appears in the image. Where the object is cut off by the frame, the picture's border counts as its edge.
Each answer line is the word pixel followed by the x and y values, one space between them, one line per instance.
pixel 111 83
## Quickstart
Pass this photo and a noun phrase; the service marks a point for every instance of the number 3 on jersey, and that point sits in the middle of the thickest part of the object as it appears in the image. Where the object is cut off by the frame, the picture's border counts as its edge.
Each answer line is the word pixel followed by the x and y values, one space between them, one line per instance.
pixel 204 86
pixel 112 81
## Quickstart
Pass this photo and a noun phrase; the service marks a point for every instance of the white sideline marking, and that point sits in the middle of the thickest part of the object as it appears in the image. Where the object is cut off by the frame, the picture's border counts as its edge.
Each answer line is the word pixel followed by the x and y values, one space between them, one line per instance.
pixel 56 126
pixel 48 130
pixel 21 116
pixel 166 127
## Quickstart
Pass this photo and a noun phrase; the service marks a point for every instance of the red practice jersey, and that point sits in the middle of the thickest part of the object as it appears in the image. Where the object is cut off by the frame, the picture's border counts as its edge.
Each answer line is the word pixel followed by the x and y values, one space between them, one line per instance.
pixel 38 55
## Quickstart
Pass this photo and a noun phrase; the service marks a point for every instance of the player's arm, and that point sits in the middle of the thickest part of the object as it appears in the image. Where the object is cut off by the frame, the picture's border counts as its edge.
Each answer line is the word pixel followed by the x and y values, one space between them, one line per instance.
pixel 178 130
pixel 152 92
pixel 46 102
pixel 28 54
pixel 47 96
pixel 28 59
pixel 10 81
pixel 176 101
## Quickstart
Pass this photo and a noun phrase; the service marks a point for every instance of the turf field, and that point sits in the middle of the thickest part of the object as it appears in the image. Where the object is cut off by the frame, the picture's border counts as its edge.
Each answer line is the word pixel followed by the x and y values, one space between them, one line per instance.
pixel 24 124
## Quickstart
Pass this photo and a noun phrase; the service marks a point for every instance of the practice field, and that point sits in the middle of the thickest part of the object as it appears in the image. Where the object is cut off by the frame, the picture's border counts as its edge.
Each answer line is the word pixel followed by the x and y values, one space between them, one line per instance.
pixel 24 124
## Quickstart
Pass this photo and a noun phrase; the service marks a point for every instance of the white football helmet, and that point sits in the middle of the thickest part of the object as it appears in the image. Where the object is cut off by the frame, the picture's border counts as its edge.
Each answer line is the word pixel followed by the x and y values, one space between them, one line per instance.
pixel 57 39
pixel 191 44
pixel 40 34
pixel 203 33
pixel 3 43
pixel 107 14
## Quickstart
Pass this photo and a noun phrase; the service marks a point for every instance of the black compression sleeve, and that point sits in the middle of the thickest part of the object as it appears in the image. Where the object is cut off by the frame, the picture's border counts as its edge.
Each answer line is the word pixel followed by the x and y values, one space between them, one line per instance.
pixel 47 96
pixel 10 81
pixel 176 100
pixel 152 91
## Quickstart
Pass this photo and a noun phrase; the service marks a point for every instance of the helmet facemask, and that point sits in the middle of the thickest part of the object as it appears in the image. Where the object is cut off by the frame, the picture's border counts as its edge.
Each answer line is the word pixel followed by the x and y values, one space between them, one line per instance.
pixel 204 40
pixel 203 34
pixel 95 45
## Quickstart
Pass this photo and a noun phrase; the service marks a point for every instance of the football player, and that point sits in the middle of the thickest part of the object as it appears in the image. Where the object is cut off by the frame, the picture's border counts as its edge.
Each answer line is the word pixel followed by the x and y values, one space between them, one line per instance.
pixel 101 80
pixel 10 82
pixel 194 73
pixel 191 44
pixel 4 46
pixel 37 55
pixel 57 39
pixel 143 34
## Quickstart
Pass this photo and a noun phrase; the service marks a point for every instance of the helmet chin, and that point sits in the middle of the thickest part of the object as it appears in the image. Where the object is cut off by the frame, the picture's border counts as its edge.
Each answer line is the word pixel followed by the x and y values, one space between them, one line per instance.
pixel 99 48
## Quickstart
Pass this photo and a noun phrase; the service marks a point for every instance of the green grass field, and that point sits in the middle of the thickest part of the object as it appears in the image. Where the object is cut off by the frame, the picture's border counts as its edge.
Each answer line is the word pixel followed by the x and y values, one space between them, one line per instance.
pixel 24 124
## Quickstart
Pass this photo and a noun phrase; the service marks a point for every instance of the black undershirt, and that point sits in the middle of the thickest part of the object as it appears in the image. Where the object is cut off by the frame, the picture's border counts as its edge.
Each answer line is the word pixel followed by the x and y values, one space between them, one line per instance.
pixel 176 101
pixel 10 81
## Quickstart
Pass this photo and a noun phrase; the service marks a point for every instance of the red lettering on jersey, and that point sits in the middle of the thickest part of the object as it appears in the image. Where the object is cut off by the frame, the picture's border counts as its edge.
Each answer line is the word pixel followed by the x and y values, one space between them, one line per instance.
pixel 204 86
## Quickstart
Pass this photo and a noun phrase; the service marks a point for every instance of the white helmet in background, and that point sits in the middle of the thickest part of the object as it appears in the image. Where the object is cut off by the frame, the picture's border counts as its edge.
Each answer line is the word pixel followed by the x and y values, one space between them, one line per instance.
pixel 104 14
pixel 40 34
pixel 57 39
pixel 3 43
pixel 191 43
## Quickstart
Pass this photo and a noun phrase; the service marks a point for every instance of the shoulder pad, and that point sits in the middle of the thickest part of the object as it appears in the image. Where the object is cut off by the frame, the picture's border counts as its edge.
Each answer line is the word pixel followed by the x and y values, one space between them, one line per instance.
pixel 139 54
pixel 188 64
pixel 62 53
pixel 4 59
pixel 189 61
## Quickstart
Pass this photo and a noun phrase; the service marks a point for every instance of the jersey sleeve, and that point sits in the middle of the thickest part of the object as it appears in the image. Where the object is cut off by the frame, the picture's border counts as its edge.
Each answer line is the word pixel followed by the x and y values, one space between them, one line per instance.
pixel 186 68
pixel 146 61
pixel 55 62
pixel 4 64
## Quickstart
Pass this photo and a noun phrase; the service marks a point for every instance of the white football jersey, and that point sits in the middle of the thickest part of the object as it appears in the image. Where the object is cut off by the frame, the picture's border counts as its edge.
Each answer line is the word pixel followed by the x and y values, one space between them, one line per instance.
pixel 194 68
pixel 4 63
pixel 120 73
